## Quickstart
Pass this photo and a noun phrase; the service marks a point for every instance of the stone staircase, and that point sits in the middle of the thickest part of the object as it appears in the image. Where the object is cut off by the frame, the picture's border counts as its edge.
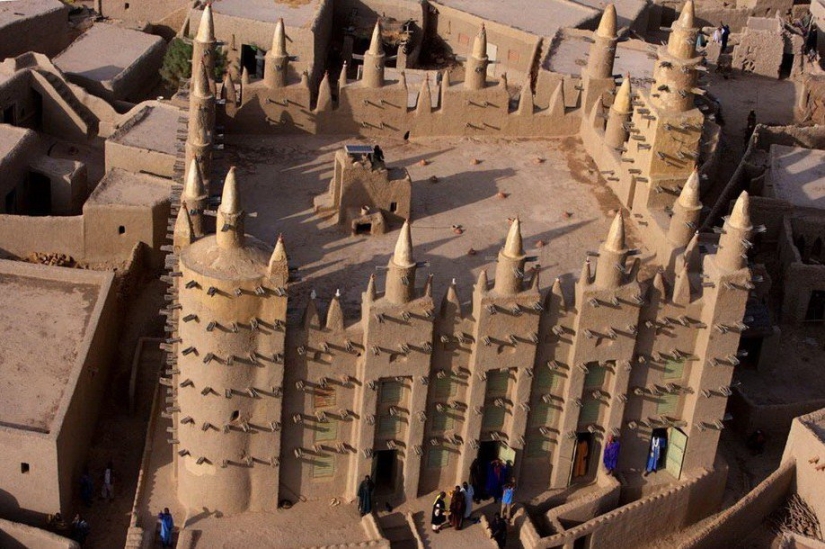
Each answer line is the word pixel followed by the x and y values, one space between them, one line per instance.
pixel 398 530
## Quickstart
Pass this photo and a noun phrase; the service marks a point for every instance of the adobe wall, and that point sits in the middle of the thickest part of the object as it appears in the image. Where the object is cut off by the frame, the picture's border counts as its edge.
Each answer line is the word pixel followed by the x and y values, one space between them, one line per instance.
pixel 152 11
pixel 799 278
pixel 86 386
pixel 137 160
pixel 401 10
pixel 15 165
pixel 46 33
pixel 384 113
pixel 774 419
pixel 20 536
pixel 671 509
pixel 111 230
pixel 31 496
pixel 21 235
pixel 516 49
pixel 735 523
pixel 307 44
pixel 759 52
pixel 133 83
pixel 805 443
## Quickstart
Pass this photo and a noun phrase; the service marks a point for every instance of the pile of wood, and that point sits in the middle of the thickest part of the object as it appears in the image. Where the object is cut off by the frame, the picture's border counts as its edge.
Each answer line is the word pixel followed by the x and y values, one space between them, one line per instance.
pixel 796 517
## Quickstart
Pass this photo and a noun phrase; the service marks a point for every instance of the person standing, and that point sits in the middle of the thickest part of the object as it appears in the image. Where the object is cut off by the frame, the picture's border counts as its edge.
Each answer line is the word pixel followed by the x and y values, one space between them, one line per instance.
pixel 167 526
pixel 495 479
pixel 611 454
pixel 469 496
pixel 439 515
pixel 499 531
pixel 108 490
pixel 457 507
pixel 725 31
pixel 657 446
pixel 87 487
pixel 507 496
pixel 477 480
pixel 80 529
pixel 365 490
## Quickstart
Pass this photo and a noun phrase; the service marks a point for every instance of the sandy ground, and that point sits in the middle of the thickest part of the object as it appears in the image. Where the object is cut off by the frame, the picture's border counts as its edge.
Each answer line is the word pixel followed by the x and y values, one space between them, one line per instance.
pixel 561 202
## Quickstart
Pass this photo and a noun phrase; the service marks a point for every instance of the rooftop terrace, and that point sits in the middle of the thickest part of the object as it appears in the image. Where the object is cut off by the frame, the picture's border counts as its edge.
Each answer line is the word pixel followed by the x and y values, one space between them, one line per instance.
pixel 45 317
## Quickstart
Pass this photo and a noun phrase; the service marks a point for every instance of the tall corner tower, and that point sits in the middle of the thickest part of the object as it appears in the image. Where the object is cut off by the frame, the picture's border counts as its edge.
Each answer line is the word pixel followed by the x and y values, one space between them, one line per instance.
pixel 230 360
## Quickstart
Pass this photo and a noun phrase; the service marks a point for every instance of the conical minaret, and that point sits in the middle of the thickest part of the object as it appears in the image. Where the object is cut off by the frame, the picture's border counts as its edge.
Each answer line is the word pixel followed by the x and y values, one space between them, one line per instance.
pixel 194 197
pixel 278 267
pixel 400 285
pixel 510 266
pixel 475 77
pixel 736 233
pixel 373 76
pixel 230 224
pixel 450 305
pixel 277 59
pixel 203 46
pixel 612 253
pixel 675 71
pixel 615 134
pixel 183 234
pixel 201 123
pixel 686 211
pixel 335 314
pixel 603 51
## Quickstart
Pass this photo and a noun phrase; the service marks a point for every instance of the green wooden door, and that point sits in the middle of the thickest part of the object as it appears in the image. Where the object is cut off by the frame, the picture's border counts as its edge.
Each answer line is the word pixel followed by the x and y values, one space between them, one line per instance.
pixel 676 444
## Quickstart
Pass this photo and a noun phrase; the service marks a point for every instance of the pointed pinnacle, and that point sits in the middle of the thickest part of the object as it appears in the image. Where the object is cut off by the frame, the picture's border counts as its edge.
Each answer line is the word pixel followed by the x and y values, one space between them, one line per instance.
pixel 403 255
pixel 482 283
pixel 279 40
pixel 480 44
pixel 371 294
pixel 206 29
pixel 231 198
pixel 193 188
pixel 183 226
pixel 607 24
pixel 376 46
pixel 513 246
pixel 279 253
pixel 615 238
pixel 622 102
pixel 740 216
pixel 687 16
pixel 689 197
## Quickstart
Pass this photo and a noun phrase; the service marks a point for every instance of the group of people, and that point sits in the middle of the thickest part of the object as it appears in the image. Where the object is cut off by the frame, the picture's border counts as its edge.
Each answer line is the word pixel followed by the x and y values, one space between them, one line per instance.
pixel 721 35
pixel 87 485
pixel 78 530
pixel 489 482
pixel 460 507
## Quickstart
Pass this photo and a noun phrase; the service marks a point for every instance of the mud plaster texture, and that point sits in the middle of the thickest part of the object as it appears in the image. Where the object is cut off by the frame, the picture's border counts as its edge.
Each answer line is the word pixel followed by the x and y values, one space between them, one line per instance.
pixel 43 324
pixel 281 176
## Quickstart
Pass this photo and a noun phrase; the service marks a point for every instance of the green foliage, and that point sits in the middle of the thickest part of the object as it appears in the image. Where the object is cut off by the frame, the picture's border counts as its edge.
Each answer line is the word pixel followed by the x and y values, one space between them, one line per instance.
pixel 177 63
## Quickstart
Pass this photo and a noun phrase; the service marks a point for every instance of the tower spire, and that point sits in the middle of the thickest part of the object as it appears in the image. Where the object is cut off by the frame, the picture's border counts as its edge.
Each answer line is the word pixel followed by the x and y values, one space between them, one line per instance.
pixel 510 266
pixel 335 314
pixel 183 234
pixel 603 51
pixel 615 133
pixel 450 305
pixel 194 197
pixel 278 268
pixel 686 211
pixel 733 244
pixel 230 225
pixel 206 28
pixel 476 73
pixel 374 59
pixel 400 286
pixel 612 253
pixel 275 69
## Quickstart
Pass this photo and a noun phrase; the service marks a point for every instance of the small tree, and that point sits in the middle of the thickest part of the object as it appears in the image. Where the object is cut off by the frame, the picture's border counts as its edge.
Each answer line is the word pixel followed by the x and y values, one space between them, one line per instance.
pixel 177 63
